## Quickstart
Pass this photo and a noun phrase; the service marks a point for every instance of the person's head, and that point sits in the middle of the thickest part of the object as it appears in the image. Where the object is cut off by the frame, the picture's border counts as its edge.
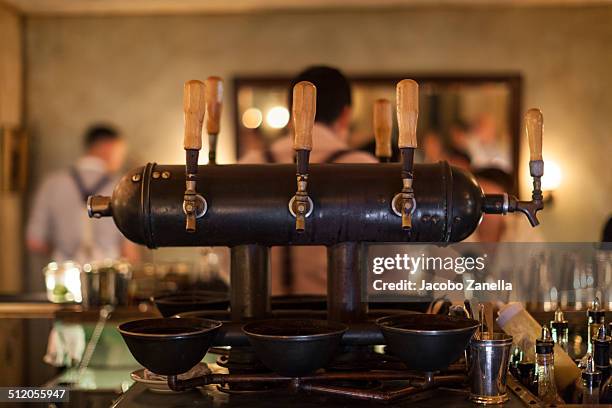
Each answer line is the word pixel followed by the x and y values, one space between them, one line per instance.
pixel 493 181
pixel 333 97
pixel 486 128
pixel 458 132
pixel 106 143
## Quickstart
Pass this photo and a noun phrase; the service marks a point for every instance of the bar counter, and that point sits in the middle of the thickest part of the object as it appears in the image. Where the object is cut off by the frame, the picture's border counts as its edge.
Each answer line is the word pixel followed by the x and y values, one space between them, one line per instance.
pixel 139 396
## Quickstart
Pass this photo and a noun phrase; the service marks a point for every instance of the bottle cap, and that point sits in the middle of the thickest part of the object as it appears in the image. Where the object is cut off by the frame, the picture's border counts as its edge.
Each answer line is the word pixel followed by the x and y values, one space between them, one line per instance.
pixel 559 322
pixel 601 347
pixel 590 375
pixel 595 313
pixel 545 344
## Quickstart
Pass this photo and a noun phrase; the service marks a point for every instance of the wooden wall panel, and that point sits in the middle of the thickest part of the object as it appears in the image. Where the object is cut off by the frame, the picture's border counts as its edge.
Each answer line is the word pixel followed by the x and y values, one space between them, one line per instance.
pixel 11 243
pixel 12 353
pixel 11 69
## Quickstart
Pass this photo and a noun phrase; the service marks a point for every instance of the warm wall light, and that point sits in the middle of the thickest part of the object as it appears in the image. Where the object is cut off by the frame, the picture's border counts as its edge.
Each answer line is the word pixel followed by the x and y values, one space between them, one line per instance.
pixel 552 176
pixel 277 117
pixel 551 180
pixel 252 118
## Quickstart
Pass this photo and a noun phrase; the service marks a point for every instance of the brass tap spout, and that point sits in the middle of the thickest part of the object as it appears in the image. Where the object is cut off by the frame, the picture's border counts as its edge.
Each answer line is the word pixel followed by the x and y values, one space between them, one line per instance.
pixel 301 205
pixel 408 203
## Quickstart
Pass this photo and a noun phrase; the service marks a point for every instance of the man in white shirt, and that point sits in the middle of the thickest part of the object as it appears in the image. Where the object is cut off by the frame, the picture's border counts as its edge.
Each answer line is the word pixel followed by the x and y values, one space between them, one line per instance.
pixel 58 226
pixel 303 270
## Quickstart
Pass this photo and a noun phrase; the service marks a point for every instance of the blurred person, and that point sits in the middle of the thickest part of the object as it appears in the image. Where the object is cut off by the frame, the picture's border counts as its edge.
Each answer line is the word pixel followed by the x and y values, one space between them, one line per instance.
pixel 486 146
pixel 433 147
pixel 458 158
pixel 459 132
pixel 606 235
pixel 303 269
pixel 513 227
pixel 59 227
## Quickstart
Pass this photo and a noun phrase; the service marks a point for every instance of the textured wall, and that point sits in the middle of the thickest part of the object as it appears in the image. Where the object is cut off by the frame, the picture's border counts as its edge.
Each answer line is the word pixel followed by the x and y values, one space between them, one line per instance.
pixel 130 70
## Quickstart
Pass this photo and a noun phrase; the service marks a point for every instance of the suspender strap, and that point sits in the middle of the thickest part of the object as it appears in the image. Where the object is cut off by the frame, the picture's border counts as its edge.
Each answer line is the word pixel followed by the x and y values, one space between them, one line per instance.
pixel 83 191
pixel 335 156
pixel 268 155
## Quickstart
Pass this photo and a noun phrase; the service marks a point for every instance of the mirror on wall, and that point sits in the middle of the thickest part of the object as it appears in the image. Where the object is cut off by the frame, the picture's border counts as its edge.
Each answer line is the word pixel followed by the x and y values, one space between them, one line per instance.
pixel 472 121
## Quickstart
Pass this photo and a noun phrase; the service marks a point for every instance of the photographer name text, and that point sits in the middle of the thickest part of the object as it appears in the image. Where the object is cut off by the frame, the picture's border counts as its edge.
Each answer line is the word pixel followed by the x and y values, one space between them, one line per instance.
pixel 405 285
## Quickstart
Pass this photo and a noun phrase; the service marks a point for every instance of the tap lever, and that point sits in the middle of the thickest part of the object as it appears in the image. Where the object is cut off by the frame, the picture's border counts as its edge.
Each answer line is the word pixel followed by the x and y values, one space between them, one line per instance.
pixel 534 128
pixel 214 105
pixel 383 124
pixel 505 203
pixel 303 112
pixel 194 107
pixel 404 203
pixel 407 94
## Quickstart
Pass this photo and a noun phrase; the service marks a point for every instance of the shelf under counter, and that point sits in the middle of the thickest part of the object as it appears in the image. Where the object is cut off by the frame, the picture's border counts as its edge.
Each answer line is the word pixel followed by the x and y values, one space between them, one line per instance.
pixel 81 314
pixel 36 306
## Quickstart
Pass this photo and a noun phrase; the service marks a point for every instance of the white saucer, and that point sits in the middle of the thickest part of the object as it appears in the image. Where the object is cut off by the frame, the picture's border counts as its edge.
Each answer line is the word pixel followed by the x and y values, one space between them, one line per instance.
pixel 160 385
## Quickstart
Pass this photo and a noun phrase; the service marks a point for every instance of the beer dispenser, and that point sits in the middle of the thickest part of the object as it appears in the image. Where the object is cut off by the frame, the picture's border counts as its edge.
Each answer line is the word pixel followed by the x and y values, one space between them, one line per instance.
pixel 250 208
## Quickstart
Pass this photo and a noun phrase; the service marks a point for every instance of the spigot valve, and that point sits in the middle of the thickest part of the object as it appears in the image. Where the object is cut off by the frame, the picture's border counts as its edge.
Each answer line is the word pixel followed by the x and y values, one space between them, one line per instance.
pixel 194 107
pixel 404 203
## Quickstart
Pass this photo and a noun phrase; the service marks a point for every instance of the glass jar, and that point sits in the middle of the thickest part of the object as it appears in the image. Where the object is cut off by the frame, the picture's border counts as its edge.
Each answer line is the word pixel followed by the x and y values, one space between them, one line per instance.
pixel 63 282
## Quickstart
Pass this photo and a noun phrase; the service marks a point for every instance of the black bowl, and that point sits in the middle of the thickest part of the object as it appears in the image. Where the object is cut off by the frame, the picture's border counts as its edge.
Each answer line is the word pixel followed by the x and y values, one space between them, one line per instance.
pixel 294 347
pixel 427 342
pixel 169 346
pixel 170 305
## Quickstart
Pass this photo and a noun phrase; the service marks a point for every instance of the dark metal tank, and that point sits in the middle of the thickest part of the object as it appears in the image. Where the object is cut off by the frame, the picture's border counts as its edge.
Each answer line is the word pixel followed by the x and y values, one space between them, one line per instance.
pixel 248 204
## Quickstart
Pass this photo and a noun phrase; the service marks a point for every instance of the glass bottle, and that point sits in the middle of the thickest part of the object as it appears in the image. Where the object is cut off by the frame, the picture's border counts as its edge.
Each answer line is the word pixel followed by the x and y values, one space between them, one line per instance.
pixel 559 328
pixel 595 317
pixel 591 380
pixel 545 368
pixel 601 345
pixel 601 352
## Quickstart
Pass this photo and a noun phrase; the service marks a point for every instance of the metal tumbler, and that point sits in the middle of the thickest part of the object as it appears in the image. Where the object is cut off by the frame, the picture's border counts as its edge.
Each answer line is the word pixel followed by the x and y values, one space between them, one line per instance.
pixel 488 367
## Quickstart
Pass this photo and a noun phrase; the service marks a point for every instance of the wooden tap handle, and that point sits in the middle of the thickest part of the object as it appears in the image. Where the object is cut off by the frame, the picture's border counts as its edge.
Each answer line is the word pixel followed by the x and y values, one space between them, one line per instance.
pixel 214 101
pixel 194 106
pixel 303 112
pixel 407 112
pixel 382 127
pixel 534 127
